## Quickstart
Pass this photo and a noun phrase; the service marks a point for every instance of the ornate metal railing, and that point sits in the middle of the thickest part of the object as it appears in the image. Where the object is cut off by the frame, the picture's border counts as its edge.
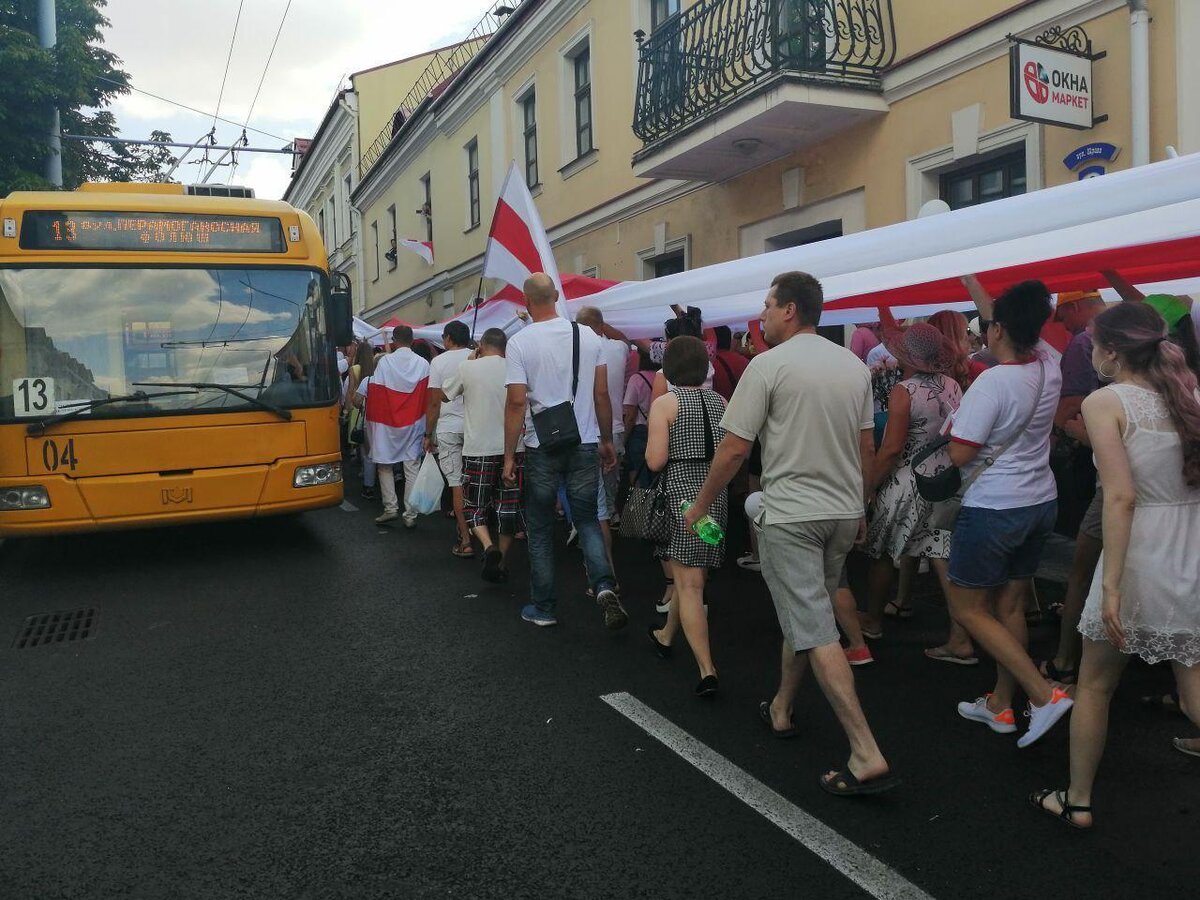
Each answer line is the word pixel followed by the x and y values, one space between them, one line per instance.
pixel 442 67
pixel 696 62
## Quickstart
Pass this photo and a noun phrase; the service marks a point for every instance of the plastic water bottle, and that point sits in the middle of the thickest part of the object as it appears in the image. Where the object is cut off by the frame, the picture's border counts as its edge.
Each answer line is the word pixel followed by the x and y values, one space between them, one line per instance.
pixel 706 528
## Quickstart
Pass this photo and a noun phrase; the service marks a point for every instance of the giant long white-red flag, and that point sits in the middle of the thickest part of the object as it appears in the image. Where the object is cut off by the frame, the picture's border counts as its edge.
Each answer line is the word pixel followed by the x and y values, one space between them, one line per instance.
pixel 517 244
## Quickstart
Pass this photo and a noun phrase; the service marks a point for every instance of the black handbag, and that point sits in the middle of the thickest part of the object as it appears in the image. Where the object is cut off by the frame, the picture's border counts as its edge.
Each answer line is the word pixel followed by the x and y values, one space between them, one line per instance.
pixel 647 514
pixel 945 488
pixel 556 427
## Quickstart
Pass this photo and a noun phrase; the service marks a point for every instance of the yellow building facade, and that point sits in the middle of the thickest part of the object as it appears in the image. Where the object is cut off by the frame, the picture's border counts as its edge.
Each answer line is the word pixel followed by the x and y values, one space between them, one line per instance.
pixel 728 128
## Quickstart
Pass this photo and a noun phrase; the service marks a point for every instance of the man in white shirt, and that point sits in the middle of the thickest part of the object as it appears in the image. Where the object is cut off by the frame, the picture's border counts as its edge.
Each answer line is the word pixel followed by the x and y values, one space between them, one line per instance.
pixel 444 424
pixel 479 382
pixel 544 375
pixel 614 353
pixel 395 403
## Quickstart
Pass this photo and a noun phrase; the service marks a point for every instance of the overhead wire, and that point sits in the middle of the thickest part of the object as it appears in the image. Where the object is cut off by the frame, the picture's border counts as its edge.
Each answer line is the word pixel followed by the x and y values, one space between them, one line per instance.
pixel 193 109
pixel 261 80
pixel 228 58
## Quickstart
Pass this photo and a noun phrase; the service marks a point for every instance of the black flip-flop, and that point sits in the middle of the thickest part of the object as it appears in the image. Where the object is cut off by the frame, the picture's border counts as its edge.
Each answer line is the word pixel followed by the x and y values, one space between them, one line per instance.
pixel 844 784
pixel 764 714
pixel 492 558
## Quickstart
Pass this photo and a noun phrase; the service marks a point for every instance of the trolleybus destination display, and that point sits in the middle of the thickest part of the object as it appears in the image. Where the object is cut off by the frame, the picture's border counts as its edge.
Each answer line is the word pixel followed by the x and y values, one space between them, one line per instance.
pixel 108 230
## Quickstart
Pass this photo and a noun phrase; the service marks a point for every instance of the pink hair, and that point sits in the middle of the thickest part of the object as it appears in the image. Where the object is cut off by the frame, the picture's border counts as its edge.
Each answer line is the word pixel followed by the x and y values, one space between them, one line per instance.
pixel 1137 334
pixel 953 325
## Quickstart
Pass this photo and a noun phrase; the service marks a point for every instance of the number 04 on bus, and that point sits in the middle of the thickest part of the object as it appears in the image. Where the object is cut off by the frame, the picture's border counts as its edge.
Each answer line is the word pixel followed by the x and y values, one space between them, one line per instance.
pixel 164 358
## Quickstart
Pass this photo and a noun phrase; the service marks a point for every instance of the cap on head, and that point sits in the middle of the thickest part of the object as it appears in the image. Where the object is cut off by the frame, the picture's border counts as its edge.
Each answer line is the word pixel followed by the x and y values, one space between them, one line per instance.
pixel 1170 307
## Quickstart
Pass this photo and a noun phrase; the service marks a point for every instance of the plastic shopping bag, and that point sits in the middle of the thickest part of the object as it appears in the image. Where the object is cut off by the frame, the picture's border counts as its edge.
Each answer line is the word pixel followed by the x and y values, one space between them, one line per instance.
pixel 426 497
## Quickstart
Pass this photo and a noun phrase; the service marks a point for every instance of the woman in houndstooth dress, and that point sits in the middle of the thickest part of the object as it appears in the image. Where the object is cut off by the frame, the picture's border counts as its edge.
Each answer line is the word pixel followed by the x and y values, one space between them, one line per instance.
pixel 684 433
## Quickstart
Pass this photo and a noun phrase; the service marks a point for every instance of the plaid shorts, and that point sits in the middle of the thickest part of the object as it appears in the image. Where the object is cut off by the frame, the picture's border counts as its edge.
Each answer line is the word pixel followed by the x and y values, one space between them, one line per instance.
pixel 484 490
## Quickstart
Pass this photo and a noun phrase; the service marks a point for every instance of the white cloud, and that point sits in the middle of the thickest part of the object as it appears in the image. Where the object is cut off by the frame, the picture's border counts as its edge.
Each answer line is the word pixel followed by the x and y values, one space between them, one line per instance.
pixel 178 50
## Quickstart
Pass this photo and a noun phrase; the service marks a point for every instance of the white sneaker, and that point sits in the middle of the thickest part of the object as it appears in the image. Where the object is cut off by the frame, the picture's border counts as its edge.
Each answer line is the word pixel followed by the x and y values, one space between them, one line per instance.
pixel 1003 722
pixel 1043 718
pixel 662 607
pixel 387 517
pixel 410 521
pixel 751 562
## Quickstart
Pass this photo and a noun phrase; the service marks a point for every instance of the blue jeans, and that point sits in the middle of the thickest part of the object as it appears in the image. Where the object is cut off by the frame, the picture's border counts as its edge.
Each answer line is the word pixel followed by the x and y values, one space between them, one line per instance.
pixel 543 472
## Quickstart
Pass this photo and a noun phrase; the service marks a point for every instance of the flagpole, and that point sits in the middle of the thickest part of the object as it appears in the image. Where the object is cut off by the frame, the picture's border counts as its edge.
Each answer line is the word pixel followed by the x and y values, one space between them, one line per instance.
pixel 478 302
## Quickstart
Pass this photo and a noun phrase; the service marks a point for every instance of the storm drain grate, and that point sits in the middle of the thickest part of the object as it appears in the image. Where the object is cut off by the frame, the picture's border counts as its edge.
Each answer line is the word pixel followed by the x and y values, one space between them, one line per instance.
pixel 57 628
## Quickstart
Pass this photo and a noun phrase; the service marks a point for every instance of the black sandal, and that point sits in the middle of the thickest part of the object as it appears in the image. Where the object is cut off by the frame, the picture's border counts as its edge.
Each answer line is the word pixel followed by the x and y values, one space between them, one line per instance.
pixel 842 783
pixel 1051 672
pixel 764 715
pixel 1038 800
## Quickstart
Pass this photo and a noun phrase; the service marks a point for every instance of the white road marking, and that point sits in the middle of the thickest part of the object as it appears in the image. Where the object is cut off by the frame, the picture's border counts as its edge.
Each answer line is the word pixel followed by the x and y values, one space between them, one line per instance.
pixel 347 506
pixel 873 876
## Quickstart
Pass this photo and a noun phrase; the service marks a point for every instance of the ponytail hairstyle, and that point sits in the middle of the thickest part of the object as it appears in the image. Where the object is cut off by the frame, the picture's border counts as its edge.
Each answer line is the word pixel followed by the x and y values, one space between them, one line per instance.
pixel 1138 335
pixel 953 326
pixel 1022 310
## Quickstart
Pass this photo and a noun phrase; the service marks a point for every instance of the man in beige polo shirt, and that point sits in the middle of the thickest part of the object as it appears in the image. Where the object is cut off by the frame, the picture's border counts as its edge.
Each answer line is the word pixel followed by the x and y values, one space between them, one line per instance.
pixel 809 402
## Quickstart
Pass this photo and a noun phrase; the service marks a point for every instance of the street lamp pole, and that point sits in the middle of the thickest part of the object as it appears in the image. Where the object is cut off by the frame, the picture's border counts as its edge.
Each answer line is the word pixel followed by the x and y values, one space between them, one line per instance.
pixel 48 37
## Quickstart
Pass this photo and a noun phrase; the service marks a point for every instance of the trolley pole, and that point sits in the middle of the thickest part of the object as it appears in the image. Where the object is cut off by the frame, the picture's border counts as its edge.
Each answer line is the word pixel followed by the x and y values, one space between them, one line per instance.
pixel 48 38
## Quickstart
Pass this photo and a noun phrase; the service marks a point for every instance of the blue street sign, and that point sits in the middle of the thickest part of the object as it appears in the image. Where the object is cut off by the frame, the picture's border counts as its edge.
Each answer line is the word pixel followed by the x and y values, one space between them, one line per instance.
pixel 1091 153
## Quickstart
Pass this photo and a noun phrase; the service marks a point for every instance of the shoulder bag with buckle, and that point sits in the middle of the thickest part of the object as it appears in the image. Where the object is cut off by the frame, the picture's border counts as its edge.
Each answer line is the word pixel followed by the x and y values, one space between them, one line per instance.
pixel 945 488
pixel 556 428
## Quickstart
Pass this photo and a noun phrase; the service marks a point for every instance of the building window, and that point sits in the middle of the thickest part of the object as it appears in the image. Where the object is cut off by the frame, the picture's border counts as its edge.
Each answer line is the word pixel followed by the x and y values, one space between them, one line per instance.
pixel 661 10
pixel 375 244
pixel 582 62
pixel 1002 176
pixel 426 209
pixel 321 227
pixel 669 264
pixel 529 123
pixel 347 185
pixel 391 254
pixel 473 182
pixel 331 218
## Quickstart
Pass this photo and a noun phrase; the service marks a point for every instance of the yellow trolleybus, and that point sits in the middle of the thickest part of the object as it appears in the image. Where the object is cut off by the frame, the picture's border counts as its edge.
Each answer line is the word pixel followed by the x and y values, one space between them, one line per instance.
pixel 164 358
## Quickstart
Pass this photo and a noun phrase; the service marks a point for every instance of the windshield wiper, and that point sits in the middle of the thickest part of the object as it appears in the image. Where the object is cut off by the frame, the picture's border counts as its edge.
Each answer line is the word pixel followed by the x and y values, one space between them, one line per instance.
pixel 231 389
pixel 40 427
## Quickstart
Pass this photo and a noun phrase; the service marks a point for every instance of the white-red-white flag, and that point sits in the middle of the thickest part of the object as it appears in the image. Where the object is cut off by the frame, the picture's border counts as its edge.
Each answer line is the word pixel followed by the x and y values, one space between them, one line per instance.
pixel 423 249
pixel 396 402
pixel 517 244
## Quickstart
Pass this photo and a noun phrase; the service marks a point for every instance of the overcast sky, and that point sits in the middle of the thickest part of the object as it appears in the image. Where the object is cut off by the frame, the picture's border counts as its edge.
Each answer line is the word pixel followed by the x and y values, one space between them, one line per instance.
pixel 178 50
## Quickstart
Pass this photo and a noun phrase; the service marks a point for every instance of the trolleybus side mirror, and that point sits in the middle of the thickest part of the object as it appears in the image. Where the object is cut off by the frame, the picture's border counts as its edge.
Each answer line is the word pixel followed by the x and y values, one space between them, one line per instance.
pixel 341 318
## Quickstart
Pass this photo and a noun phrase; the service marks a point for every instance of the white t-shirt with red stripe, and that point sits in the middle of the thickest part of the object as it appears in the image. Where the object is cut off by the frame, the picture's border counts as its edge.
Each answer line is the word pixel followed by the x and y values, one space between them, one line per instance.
pixel 396 398
pixel 995 408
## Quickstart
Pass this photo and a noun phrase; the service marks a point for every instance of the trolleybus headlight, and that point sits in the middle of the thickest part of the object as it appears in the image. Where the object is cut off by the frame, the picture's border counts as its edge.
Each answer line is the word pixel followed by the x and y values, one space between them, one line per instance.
pixel 323 473
pixel 29 497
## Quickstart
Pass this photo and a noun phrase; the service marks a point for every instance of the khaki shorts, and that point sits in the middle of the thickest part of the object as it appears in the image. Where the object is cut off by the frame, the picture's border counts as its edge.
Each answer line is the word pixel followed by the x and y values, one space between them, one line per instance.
pixel 1093 520
pixel 450 457
pixel 802 563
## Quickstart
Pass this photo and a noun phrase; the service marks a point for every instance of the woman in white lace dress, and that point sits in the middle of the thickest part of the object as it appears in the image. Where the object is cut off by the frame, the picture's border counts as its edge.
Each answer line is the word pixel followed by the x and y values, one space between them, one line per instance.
pixel 1145 598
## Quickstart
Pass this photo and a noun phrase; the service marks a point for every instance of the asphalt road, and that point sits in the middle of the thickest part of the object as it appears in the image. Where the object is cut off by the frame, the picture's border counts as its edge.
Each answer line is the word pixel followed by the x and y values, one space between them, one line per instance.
pixel 324 708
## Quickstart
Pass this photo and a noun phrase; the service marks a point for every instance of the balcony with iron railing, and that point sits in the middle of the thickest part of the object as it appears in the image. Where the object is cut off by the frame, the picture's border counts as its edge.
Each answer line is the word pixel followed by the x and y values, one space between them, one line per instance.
pixel 444 65
pixel 813 67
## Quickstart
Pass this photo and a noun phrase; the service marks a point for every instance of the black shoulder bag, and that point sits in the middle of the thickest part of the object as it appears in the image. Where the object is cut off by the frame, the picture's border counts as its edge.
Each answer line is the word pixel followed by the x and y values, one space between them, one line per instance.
pixel 945 488
pixel 556 428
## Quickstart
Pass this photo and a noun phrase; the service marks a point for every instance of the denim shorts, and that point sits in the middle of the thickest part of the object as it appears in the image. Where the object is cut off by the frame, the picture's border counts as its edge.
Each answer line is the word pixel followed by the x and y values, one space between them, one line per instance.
pixel 991 547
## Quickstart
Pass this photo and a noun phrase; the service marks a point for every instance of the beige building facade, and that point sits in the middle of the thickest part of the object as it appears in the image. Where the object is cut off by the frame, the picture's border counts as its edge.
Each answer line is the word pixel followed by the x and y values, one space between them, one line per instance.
pixel 729 128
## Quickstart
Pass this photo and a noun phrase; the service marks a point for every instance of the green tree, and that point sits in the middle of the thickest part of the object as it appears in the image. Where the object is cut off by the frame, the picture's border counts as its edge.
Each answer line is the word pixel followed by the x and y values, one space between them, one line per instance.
pixel 82 79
